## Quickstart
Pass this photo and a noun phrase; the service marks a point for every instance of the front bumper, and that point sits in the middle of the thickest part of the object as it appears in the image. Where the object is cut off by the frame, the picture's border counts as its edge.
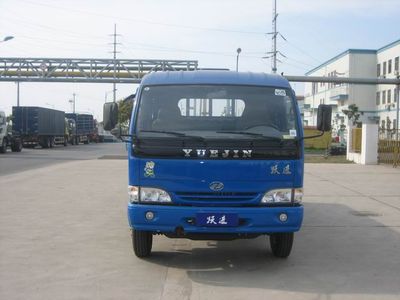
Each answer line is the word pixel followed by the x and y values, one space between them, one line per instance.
pixel 258 220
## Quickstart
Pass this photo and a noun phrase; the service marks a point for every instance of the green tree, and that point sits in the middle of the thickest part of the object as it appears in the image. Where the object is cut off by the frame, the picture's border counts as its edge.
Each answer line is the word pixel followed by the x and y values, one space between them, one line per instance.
pixel 353 114
pixel 124 112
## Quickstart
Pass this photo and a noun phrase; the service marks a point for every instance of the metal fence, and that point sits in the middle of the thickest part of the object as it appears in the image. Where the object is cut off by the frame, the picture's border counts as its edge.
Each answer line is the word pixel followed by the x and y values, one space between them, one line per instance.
pixel 388 147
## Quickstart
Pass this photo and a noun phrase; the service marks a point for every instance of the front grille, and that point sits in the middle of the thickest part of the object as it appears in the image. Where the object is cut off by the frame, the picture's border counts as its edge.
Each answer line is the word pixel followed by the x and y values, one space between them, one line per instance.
pixel 215 197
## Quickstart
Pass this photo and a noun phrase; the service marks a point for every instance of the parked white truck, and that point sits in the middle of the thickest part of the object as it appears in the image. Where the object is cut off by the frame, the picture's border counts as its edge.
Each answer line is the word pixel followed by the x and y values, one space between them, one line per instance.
pixel 6 137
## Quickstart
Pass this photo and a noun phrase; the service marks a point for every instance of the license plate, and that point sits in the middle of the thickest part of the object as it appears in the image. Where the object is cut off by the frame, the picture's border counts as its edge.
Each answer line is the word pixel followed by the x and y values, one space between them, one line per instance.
pixel 217 219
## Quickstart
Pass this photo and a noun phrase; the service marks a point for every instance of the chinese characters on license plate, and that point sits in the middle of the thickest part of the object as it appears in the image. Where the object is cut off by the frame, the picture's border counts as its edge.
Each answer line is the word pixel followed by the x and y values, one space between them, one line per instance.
pixel 217 219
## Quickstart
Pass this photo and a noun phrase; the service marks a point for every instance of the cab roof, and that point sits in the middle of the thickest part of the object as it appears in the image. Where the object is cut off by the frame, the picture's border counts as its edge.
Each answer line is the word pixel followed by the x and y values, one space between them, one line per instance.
pixel 215 77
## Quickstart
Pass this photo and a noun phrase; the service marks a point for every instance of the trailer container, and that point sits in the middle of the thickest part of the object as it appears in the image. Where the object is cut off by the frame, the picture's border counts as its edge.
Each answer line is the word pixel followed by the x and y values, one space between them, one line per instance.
pixel 39 126
pixel 84 126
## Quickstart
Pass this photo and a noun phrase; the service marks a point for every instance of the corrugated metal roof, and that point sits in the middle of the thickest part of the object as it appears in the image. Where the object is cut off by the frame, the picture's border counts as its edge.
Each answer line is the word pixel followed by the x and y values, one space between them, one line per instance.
pixel 348 51
pixel 215 77
pixel 356 51
pixel 388 46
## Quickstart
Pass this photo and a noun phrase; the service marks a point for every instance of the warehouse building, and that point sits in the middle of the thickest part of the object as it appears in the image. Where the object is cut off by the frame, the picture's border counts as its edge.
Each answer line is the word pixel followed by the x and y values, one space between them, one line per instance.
pixel 376 103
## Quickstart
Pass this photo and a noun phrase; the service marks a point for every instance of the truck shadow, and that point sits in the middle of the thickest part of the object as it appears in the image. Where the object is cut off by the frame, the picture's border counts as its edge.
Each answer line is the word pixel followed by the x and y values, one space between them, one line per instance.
pixel 337 251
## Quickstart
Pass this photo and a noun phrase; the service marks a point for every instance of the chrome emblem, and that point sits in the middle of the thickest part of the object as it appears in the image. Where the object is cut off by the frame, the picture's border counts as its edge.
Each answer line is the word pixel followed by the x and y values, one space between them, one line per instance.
pixel 216 186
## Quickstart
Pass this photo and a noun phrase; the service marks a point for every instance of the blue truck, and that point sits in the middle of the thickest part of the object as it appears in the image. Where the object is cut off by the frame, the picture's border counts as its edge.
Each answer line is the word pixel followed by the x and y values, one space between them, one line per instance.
pixel 82 127
pixel 39 126
pixel 215 155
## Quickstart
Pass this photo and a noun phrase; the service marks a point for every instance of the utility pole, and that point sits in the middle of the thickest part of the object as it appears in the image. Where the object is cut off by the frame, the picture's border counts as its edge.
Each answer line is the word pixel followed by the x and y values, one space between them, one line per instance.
pixel 73 102
pixel 273 54
pixel 74 95
pixel 115 57
pixel 17 93
pixel 274 36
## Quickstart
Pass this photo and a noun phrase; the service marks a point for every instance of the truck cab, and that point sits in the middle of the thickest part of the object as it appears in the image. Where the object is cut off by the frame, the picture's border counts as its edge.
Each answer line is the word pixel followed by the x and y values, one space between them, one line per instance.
pixel 214 155
pixel 7 139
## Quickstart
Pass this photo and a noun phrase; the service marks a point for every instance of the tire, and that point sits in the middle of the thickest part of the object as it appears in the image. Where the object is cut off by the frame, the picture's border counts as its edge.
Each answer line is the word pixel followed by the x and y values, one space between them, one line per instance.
pixel 16 146
pixel 45 143
pixel 3 146
pixel 142 241
pixel 281 244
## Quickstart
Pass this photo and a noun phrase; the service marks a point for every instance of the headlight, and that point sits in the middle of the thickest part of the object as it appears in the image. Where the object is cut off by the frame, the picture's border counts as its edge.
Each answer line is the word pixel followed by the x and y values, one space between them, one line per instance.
pixel 283 196
pixel 148 195
pixel 154 195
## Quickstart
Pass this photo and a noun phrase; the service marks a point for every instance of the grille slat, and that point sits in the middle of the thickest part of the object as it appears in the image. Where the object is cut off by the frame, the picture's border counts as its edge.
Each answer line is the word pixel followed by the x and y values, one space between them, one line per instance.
pixel 211 197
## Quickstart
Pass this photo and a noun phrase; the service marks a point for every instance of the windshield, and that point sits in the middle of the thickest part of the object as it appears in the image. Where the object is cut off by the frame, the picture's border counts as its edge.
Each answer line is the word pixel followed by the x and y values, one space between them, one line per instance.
pixel 216 111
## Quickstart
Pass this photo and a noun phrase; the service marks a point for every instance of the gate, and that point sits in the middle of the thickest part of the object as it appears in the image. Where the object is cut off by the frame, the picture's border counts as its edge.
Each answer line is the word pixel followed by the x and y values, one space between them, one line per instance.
pixel 388 147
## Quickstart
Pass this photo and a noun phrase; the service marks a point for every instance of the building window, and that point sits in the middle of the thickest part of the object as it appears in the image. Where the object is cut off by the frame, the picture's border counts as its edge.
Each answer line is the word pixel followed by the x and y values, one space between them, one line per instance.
pixel 394 123
pixel 389 96
pixel 396 95
pixel 383 123
pixel 389 66
pixel 378 98
pixel 378 70
pixel 384 68
pixel 383 97
pixel 396 63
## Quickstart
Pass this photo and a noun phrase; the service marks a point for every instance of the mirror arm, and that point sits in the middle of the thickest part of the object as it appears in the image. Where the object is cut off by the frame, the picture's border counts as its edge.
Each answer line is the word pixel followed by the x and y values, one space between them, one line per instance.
pixel 314 136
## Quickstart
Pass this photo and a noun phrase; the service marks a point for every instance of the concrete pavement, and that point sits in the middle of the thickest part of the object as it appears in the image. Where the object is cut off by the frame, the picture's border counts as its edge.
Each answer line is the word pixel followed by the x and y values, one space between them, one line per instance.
pixel 64 235
pixel 28 159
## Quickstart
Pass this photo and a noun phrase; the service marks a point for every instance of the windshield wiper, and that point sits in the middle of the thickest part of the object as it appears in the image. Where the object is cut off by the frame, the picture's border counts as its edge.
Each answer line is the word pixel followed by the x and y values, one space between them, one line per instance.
pixel 179 134
pixel 274 138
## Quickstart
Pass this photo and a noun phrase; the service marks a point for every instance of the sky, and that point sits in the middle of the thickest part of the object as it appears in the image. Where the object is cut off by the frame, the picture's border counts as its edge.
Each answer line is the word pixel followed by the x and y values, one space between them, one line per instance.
pixel 208 31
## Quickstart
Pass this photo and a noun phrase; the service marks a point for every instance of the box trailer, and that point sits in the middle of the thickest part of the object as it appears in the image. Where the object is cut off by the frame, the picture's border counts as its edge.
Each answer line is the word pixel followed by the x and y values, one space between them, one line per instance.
pixel 84 127
pixel 39 126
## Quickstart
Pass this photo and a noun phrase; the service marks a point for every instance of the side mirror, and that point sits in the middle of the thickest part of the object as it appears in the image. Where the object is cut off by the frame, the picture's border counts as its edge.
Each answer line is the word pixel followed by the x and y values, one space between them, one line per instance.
pixel 324 117
pixel 110 115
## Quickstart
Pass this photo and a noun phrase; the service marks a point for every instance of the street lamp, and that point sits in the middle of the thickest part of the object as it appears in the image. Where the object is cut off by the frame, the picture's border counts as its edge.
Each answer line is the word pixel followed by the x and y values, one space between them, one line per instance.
pixel 237 59
pixel 7 38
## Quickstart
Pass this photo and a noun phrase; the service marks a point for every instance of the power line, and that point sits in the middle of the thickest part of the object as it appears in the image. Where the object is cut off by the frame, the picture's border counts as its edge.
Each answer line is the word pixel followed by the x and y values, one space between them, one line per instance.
pixel 167 49
pixel 146 21
pixel 72 34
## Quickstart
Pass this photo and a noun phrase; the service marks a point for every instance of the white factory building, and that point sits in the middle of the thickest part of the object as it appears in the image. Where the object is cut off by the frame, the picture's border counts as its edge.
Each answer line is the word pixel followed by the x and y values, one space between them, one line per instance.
pixel 375 102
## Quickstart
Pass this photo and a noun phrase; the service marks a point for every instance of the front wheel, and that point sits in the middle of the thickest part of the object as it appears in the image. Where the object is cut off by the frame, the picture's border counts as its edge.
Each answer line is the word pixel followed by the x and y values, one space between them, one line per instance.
pixel 281 244
pixel 3 146
pixel 142 241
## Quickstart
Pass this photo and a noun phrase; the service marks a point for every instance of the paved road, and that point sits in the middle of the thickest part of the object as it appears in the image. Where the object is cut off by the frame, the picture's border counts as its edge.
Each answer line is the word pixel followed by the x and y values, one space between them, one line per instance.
pixel 28 159
pixel 64 235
